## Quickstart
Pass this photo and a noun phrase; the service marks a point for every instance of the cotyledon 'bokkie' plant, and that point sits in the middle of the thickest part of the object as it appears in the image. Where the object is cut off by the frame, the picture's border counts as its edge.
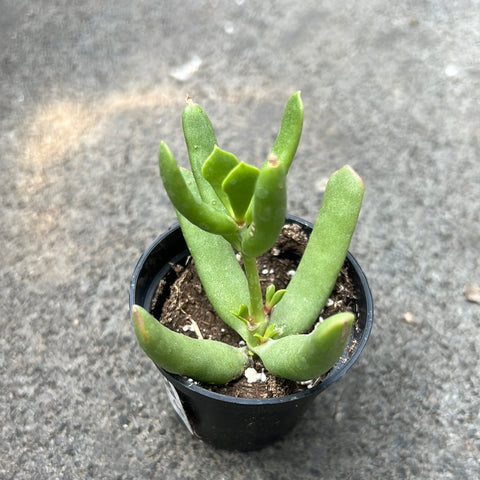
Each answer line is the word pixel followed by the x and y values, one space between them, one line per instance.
pixel 226 206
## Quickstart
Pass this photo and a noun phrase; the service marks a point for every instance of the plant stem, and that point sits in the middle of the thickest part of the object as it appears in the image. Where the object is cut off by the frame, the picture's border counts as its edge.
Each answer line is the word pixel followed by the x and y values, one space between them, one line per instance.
pixel 256 300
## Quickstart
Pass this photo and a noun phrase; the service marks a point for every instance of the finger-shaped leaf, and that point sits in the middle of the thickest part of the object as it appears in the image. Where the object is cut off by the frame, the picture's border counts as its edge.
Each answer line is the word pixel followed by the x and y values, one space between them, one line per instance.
pixel 239 186
pixel 325 254
pixel 216 168
pixel 304 357
pixel 221 275
pixel 205 360
pixel 183 199
pixel 199 135
pixel 290 131
pixel 269 209
pixel 200 139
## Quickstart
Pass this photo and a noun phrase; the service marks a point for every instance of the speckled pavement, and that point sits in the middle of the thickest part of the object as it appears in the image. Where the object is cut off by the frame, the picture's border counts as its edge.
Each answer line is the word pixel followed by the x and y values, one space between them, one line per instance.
pixel 88 90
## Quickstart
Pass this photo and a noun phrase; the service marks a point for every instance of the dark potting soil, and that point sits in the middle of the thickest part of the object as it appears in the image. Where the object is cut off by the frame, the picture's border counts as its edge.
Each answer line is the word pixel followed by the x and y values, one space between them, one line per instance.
pixel 182 305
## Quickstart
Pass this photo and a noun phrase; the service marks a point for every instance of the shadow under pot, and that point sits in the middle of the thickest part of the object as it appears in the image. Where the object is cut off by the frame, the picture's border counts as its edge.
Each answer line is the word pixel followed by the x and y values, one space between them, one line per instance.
pixel 228 422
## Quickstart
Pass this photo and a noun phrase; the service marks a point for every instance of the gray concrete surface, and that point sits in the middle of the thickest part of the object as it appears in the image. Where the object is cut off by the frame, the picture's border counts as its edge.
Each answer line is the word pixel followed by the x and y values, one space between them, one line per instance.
pixel 88 90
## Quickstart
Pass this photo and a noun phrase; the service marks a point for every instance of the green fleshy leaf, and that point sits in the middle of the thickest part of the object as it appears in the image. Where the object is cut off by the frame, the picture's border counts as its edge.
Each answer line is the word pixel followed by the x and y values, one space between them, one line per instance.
pixel 269 209
pixel 216 168
pixel 205 360
pixel 325 254
pixel 239 186
pixel 184 199
pixel 269 333
pixel 269 293
pixel 304 357
pixel 290 131
pixel 277 297
pixel 242 313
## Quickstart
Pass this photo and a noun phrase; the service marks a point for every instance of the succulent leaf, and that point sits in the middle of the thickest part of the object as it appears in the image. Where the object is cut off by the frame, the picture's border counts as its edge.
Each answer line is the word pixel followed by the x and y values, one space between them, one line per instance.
pixel 216 168
pixel 269 333
pixel 242 314
pixel 269 292
pixel 239 186
pixel 324 255
pixel 288 137
pixel 184 200
pixel 304 357
pixel 272 297
pixel 269 209
pixel 220 273
pixel 277 297
pixel 200 140
pixel 205 360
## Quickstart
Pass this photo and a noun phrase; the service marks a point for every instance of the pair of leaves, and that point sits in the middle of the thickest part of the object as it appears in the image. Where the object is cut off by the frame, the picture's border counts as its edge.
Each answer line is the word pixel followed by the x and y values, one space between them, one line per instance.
pixel 272 297
pixel 233 181
pixel 184 195
pixel 296 357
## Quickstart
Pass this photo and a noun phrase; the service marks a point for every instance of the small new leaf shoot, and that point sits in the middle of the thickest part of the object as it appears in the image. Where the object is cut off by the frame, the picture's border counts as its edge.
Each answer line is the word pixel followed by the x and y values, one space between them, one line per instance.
pixel 246 317
pixel 269 292
pixel 272 297
pixel 277 297
pixel 270 332
pixel 243 314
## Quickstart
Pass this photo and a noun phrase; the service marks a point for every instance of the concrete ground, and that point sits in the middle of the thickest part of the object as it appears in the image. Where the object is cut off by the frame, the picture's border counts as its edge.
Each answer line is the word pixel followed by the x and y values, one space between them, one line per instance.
pixel 88 90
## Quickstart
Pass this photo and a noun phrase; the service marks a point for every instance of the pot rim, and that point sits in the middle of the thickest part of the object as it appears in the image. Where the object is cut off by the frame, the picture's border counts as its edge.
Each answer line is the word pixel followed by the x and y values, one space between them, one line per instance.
pixel 336 373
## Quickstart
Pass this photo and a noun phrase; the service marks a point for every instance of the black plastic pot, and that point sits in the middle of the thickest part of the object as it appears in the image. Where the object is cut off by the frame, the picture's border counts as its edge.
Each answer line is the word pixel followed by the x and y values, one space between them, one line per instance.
pixel 239 423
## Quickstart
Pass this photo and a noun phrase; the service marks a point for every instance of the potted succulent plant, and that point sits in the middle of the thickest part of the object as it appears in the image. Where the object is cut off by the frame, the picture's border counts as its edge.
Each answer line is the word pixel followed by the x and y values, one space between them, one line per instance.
pixel 230 213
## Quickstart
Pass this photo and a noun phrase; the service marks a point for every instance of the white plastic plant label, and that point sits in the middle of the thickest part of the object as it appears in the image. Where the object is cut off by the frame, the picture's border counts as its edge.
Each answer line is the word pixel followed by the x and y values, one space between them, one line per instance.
pixel 177 404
